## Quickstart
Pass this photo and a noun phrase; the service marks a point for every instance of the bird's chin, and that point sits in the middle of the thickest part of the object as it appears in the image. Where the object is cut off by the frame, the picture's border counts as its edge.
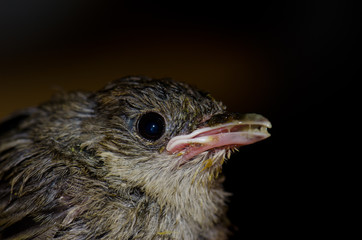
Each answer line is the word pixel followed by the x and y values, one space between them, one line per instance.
pixel 210 158
pixel 207 165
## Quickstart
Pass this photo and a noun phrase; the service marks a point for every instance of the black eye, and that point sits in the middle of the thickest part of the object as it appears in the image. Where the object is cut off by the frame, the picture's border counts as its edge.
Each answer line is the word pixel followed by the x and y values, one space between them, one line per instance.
pixel 151 126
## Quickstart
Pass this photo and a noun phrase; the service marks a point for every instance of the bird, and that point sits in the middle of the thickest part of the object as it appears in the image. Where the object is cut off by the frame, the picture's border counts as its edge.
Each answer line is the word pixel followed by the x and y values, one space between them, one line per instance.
pixel 140 158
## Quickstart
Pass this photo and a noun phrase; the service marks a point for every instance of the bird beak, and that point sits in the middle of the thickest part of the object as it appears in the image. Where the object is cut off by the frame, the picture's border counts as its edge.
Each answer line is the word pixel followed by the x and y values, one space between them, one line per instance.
pixel 221 131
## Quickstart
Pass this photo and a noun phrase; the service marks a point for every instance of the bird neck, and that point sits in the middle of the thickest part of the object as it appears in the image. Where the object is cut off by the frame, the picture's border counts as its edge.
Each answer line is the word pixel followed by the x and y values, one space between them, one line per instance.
pixel 196 202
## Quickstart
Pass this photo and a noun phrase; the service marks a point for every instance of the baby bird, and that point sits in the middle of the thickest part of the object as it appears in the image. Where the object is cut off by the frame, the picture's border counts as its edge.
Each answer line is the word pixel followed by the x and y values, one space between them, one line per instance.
pixel 139 159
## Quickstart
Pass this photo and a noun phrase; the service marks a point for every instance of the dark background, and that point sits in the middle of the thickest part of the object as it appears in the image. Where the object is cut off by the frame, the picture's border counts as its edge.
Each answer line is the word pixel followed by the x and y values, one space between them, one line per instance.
pixel 293 62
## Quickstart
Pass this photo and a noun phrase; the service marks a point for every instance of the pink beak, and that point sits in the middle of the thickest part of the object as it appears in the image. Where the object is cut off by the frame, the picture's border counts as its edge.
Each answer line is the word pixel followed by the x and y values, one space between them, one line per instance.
pixel 235 130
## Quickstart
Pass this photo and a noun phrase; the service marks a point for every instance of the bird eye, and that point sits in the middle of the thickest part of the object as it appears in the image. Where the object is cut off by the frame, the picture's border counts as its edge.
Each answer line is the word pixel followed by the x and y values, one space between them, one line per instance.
pixel 151 126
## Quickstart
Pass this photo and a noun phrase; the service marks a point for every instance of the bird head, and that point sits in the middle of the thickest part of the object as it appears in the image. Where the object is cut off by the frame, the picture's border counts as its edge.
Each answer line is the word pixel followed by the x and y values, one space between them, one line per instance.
pixel 161 134
pixel 140 157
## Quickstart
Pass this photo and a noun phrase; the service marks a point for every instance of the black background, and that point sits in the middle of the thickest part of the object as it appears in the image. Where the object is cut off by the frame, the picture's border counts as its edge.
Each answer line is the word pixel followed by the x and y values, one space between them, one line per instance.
pixel 294 62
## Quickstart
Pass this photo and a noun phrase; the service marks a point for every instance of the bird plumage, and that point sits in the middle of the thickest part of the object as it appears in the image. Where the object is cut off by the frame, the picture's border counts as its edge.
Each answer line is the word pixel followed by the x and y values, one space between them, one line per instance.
pixel 77 167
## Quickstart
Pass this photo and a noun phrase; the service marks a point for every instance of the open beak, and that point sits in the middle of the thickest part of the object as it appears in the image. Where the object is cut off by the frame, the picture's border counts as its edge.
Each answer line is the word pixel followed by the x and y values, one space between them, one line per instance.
pixel 221 131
